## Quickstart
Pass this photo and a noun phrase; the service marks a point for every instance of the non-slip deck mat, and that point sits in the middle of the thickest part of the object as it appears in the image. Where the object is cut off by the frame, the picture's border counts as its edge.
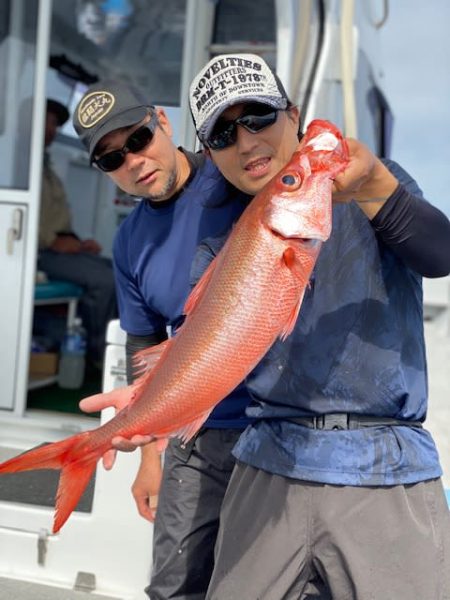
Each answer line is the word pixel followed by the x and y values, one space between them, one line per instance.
pixel 13 589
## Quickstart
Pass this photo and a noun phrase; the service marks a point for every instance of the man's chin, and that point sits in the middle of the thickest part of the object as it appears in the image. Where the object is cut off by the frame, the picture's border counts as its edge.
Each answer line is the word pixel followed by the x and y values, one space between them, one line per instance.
pixel 253 186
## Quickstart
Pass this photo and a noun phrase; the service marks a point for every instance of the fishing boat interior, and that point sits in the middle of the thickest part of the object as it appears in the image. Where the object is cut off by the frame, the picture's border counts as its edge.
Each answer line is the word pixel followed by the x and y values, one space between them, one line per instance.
pixel 327 56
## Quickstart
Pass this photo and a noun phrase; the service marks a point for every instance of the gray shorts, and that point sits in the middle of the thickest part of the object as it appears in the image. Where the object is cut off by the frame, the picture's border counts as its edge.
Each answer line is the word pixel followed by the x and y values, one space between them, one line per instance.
pixel 283 539
pixel 195 479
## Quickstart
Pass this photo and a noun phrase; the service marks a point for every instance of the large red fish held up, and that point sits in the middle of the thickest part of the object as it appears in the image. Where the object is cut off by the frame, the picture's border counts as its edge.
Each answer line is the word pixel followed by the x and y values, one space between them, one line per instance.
pixel 250 295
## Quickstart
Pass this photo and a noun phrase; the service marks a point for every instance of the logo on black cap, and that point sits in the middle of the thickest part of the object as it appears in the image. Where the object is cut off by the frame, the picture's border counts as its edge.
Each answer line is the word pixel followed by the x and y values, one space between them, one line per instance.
pixel 94 107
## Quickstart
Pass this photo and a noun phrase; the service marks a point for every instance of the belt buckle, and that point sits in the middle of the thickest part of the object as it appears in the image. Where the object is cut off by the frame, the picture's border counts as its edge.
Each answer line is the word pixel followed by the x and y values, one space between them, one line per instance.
pixel 332 421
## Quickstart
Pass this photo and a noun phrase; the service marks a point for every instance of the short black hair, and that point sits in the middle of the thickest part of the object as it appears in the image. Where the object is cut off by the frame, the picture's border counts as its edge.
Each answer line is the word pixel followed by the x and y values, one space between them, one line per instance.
pixel 300 120
pixel 58 109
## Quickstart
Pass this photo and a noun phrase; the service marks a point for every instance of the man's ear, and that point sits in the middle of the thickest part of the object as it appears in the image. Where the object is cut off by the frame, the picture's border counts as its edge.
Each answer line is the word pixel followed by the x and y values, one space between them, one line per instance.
pixel 163 121
pixel 294 114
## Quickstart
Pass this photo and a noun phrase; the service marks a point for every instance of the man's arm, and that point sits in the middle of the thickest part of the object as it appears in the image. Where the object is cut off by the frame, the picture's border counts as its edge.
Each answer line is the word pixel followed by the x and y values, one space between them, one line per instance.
pixel 66 244
pixel 415 230
pixel 145 488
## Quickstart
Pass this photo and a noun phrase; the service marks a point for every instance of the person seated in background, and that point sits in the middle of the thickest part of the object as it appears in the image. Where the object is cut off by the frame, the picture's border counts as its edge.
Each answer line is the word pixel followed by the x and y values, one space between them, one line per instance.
pixel 63 255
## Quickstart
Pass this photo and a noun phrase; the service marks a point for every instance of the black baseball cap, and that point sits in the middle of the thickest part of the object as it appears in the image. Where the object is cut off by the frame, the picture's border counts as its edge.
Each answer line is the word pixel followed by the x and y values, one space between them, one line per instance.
pixel 106 106
pixel 58 109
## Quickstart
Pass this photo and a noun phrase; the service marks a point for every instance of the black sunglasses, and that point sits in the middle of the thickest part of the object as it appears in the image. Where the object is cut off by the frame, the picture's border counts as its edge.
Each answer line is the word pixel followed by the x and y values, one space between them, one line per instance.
pixel 136 142
pixel 256 118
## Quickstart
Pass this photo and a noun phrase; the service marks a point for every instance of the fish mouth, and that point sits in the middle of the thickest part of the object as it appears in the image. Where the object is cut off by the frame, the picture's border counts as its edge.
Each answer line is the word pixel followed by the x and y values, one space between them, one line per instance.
pixel 305 242
pixel 310 242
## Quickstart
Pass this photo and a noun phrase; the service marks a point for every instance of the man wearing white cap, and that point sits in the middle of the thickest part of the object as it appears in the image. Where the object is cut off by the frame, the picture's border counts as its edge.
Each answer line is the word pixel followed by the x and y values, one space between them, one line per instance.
pixel 336 491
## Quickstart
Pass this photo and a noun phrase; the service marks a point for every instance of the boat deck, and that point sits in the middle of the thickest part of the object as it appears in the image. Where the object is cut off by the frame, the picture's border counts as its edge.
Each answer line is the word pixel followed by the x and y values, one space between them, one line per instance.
pixel 13 589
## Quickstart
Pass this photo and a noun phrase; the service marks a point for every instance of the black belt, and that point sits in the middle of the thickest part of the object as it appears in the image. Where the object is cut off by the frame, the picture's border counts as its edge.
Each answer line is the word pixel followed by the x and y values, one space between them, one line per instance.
pixel 338 421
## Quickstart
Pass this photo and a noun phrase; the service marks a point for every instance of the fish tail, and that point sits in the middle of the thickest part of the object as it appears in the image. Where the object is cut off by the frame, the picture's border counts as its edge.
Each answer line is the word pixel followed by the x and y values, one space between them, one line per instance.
pixel 75 473
pixel 73 481
pixel 49 456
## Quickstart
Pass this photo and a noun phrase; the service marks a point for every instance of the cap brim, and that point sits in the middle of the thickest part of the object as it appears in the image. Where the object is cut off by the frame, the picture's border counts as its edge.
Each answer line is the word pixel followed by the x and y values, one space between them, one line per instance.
pixel 125 119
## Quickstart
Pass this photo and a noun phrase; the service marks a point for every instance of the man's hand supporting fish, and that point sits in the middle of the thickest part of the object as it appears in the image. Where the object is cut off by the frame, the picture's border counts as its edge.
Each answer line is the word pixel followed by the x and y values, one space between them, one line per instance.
pixel 250 295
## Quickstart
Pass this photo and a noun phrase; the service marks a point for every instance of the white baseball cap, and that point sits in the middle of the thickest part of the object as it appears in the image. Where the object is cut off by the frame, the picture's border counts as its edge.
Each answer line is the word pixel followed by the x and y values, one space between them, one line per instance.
pixel 229 79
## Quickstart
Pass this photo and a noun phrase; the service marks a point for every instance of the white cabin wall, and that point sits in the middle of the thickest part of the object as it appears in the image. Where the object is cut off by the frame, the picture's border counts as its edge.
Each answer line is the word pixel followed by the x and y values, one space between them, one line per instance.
pixel 348 69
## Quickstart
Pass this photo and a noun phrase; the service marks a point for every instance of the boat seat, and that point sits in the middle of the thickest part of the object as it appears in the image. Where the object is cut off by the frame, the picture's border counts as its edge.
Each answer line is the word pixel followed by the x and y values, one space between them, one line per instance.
pixel 57 291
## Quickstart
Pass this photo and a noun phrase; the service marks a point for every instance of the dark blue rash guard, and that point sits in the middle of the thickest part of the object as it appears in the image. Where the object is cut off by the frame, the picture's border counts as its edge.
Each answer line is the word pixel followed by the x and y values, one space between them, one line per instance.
pixel 357 347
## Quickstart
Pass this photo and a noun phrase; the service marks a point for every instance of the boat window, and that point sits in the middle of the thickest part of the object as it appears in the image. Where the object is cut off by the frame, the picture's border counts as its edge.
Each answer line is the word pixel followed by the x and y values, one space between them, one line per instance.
pixel 18 28
pixel 136 42
pixel 372 109
pixel 241 27
pixel 382 121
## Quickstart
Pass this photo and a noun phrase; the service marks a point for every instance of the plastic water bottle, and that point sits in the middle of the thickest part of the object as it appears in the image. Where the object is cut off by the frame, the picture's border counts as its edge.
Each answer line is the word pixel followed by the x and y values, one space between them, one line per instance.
pixel 72 359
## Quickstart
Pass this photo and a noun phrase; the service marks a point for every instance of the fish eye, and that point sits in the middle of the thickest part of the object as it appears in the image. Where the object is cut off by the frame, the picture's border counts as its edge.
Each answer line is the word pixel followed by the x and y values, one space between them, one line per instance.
pixel 291 180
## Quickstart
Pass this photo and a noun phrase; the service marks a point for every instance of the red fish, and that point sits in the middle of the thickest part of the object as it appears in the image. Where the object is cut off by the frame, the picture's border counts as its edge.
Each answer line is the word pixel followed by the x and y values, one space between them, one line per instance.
pixel 250 295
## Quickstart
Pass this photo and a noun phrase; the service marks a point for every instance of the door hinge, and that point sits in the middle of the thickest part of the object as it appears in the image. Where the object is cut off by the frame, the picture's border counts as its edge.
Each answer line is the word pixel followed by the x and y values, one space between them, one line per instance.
pixel 15 231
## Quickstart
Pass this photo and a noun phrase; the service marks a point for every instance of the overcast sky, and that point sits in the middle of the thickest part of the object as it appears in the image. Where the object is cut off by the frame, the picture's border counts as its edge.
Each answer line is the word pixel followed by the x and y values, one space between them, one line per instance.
pixel 416 59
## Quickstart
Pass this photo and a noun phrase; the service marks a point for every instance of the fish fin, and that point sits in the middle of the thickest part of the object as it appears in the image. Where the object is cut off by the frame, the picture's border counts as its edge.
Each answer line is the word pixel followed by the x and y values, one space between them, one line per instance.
pixel 73 480
pixel 291 262
pixel 145 360
pixel 188 431
pixel 74 477
pixel 197 293
pixel 48 456
pixel 123 397
pixel 289 258
pixel 185 433
pixel 288 328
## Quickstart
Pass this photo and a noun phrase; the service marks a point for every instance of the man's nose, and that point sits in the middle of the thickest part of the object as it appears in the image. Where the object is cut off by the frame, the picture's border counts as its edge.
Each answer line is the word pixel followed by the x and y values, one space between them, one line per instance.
pixel 133 159
pixel 245 140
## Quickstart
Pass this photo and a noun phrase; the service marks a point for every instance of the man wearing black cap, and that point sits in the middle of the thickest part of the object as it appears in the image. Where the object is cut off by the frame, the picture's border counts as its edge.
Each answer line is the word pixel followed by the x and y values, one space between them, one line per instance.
pixel 63 255
pixel 183 199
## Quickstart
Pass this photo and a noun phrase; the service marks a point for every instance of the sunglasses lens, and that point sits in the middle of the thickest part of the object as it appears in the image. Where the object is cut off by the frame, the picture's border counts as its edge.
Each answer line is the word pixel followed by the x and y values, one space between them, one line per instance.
pixel 139 139
pixel 258 118
pixel 255 123
pixel 222 136
pixel 110 161
pixel 136 142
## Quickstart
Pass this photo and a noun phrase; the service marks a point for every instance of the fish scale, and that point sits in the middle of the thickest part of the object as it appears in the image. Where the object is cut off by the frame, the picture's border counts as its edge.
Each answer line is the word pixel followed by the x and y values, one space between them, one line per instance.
pixel 250 295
